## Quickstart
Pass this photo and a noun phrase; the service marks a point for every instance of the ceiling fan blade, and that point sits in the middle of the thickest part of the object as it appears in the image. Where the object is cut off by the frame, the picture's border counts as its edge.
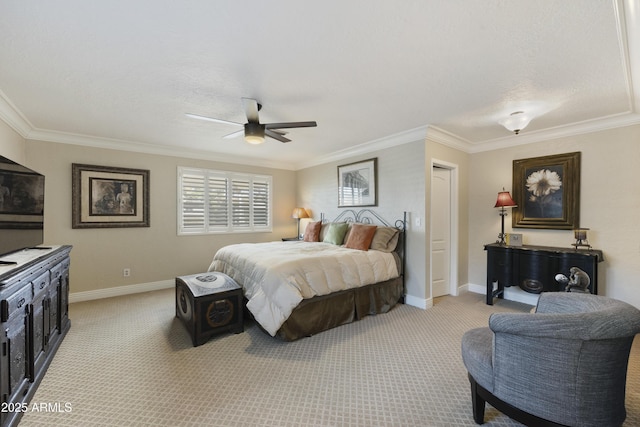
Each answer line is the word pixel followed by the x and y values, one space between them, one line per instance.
pixel 290 125
pixel 276 135
pixel 281 132
pixel 234 134
pixel 211 119
pixel 251 108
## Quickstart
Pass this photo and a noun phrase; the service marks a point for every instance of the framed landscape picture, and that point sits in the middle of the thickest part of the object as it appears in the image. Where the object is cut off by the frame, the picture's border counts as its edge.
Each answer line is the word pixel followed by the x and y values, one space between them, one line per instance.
pixel 104 197
pixel 357 184
pixel 547 191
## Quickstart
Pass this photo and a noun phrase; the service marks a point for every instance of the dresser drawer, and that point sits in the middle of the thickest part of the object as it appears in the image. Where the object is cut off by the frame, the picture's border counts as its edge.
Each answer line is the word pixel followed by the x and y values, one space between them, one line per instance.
pixel 58 269
pixel 40 283
pixel 16 303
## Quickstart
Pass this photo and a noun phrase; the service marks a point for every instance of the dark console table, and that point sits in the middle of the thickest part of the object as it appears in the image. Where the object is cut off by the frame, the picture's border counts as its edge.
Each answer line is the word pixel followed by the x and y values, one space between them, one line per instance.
pixel 533 268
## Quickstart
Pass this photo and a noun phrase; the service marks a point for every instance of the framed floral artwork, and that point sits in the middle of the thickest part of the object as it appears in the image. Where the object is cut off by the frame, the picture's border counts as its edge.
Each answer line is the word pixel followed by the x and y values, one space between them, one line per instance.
pixel 357 184
pixel 547 191
pixel 109 197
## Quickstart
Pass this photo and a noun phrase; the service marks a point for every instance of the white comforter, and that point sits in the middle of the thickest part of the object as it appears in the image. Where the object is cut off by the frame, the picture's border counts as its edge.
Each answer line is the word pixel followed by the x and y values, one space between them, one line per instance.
pixel 276 276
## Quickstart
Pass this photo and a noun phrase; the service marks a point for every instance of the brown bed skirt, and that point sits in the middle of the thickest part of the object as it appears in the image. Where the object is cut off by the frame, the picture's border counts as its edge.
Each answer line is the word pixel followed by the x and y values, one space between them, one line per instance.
pixel 328 311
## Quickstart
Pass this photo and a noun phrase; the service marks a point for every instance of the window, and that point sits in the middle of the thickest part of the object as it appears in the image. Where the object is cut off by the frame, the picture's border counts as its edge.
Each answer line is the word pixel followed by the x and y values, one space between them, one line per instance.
pixel 211 201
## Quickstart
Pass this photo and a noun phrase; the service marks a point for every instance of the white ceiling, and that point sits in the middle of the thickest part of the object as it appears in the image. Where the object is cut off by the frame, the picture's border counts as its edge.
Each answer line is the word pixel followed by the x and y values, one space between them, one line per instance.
pixel 122 73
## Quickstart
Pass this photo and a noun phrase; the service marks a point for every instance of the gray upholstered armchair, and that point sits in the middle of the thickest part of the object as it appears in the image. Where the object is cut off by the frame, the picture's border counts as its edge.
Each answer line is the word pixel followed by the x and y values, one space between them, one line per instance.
pixel 565 364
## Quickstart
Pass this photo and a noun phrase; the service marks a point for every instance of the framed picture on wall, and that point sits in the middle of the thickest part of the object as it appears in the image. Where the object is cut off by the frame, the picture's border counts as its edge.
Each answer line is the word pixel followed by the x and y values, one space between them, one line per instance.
pixel 109 197
pixel 357 184
pixel 21 196
pixel 547 191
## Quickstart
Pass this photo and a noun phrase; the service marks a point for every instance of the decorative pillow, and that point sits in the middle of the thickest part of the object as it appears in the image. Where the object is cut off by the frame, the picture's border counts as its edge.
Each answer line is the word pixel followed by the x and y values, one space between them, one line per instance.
pixel 323 231
pixel 346 234
pixel 360 236
pixel 312 232
pixel 385 239
pixel 335 233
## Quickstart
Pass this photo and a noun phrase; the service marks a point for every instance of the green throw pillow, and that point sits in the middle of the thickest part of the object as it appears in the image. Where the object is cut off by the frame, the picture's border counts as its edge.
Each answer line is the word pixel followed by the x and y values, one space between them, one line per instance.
pixel 336 233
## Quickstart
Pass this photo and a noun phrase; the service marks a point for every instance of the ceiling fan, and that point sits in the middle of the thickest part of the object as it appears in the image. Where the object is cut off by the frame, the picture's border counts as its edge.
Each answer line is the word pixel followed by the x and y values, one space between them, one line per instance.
pixel 254 131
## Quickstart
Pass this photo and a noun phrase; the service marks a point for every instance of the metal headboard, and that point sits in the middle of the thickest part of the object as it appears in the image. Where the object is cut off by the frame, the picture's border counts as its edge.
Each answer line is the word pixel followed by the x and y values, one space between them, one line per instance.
pixel 367 216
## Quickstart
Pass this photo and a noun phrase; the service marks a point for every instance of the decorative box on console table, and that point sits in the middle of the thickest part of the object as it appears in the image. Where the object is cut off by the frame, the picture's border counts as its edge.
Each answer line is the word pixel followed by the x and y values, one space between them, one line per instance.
pixel 534 268
pixel 34 315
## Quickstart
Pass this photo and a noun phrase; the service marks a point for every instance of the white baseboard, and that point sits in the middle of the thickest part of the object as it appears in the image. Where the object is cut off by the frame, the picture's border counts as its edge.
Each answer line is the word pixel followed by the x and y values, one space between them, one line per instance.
pixel 462 289
pixel 117 291
pixel 418 302
pixel 512 293
pixel 478 289
pixel 120 290
pixel 516 294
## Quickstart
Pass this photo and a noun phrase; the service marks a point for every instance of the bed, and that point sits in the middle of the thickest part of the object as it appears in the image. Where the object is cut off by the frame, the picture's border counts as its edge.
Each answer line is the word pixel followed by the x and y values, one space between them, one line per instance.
pixel 295 289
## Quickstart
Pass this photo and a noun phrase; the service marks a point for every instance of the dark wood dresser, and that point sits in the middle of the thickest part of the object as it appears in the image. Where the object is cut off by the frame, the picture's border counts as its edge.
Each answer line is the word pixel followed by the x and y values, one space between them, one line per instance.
pixel 533 268
pixel 34 316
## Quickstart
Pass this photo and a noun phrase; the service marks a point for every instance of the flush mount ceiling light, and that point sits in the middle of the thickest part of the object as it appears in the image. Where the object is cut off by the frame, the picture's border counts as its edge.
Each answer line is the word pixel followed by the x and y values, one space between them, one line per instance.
pixel 516 121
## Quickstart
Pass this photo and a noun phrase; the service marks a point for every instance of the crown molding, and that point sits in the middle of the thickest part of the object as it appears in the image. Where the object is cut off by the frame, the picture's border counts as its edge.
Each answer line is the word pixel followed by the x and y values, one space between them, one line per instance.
pixel 161 150
pixel 16 120
pixel 13 117
pixel 424 133
pixel 587 126
pixel 628 12
pixel 412 135
pixel 441 136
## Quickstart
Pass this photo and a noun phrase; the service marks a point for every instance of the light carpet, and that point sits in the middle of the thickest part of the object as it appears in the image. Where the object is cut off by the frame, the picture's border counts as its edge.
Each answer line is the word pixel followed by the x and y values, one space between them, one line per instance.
pixel 127 361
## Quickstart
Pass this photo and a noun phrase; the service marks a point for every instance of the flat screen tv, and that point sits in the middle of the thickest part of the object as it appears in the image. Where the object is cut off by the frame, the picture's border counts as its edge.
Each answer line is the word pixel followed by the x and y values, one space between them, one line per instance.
pixel 21 207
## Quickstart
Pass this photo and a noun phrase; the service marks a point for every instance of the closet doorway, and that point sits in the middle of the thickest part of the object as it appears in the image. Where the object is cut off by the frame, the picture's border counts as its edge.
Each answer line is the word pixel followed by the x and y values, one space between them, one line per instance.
pixel 443 229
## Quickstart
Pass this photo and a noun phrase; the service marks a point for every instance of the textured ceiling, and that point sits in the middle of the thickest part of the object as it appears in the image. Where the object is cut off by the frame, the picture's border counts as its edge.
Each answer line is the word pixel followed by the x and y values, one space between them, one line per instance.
pixel 122 74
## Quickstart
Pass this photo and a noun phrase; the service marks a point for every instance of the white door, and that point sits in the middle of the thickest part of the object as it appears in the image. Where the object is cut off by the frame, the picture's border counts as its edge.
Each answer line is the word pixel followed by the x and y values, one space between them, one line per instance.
pixel 440 231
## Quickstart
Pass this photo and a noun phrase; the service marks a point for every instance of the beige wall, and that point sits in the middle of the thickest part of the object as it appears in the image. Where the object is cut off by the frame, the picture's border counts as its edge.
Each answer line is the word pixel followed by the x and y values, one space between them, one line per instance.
pixel 401 180
pixel 610 202
pixel 404 181
pixel 155 253
pixel 609 205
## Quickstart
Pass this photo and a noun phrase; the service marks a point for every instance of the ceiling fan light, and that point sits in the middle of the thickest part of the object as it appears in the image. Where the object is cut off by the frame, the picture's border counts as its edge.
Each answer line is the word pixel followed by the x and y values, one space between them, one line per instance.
pixel 516 121
pixel 254 139
pixel 254 133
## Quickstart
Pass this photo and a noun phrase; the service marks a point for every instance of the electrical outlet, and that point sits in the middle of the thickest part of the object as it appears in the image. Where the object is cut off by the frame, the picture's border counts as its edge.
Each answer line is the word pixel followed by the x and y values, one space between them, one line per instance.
pixel 126 272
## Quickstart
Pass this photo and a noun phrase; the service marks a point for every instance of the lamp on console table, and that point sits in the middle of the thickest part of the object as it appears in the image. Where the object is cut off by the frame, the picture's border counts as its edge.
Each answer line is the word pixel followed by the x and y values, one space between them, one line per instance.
pixel 504 201
pixel 299 213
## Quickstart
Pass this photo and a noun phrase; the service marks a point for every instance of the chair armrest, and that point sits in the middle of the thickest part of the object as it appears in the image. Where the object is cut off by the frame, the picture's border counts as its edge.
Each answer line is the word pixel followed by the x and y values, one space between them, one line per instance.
pixel 563 302
pixel 539 325
pixel 613 322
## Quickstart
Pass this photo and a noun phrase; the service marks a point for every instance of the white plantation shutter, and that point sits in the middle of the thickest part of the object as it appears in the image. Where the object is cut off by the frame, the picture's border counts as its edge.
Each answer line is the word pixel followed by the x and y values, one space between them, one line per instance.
pixel 222 202
pixel 217 193
pixel 261 197
pixel 241 203
pixel 193 202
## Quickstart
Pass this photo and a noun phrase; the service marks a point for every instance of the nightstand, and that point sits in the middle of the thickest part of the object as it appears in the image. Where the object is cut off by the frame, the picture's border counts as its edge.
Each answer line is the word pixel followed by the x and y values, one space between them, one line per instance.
pixel 209 304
